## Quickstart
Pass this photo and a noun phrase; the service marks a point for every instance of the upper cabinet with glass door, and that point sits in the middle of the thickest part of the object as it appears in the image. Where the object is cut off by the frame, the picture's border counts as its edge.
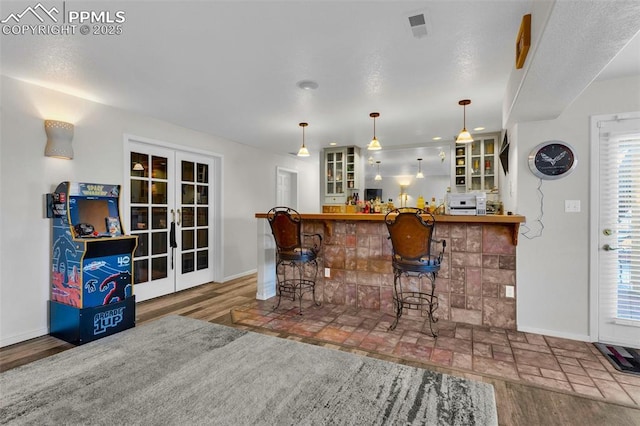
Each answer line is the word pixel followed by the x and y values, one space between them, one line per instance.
pixel 476 164
pixel 341 175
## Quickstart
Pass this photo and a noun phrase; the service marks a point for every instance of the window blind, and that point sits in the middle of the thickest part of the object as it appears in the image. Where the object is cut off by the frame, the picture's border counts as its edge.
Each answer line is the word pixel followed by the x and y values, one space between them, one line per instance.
pixel 620 214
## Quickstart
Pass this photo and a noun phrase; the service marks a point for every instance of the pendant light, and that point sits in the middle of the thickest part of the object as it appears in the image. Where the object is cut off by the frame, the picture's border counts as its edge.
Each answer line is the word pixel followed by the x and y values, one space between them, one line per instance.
pixel 303 152
pixel 419 175
pixel 464 136
pixel 378 176
pixel 374 145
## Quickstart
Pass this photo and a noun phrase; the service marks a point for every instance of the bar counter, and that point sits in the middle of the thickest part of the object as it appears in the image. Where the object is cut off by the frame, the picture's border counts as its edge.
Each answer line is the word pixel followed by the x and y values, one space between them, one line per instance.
pixel 355 264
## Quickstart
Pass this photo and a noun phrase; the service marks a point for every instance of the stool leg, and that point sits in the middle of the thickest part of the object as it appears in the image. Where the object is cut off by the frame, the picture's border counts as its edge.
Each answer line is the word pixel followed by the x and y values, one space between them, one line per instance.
pixel 433 306
pixel 315 277
pixel 397 298
pixel 279 284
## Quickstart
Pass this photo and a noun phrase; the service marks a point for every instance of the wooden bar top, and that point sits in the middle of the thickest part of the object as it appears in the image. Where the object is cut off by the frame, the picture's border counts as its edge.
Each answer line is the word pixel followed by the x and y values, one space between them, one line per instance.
pixel 492 218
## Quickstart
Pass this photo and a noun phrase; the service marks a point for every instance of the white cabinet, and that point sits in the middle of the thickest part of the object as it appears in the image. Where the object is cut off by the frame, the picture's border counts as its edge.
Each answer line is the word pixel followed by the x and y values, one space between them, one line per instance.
pixel 341 174
pixel 476 164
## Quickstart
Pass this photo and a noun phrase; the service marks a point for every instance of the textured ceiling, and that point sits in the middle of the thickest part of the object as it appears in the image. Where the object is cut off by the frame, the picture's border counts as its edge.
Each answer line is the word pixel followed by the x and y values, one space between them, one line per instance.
pixel 230 68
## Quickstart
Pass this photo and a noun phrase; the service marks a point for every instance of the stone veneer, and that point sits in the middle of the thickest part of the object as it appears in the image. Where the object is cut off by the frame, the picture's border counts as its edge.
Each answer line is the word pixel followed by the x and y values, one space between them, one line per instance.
pixel 479 261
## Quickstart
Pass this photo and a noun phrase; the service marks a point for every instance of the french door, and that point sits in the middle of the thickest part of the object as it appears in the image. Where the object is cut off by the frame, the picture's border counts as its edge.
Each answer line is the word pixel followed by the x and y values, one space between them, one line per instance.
pixel 618 231
pixel 171 212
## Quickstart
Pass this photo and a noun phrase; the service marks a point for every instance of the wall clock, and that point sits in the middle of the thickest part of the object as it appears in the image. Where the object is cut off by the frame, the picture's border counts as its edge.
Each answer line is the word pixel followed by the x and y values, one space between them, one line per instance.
pixel 552 160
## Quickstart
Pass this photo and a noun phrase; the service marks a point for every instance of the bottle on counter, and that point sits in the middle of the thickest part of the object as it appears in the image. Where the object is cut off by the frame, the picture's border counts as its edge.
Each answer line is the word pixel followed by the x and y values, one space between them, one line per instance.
pixel 433 206
pixel 390 205
pixel 420 202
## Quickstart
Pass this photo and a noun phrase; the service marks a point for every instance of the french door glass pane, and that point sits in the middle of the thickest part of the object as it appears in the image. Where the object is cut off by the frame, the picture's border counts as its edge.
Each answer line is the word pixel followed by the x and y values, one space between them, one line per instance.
pixel 143 245
pixel 139 165
pixel 159 192
pixel 203 216
pixel 158 268
pixel 203 238
pixel 187 262
pixel 187 171
pixel 203 259
pixel 187 217
pixel 188 193
pixel 139 191
pixel 159 243
pixel 187 239
pixel 159 218
pixel 140 271
pixel 139 218
pixel 203 173
pixel 159 170
pixel 203 194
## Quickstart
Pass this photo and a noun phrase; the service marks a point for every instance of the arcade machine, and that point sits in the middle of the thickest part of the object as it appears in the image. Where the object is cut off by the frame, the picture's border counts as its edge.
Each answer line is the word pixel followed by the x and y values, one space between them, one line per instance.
pixel 91 263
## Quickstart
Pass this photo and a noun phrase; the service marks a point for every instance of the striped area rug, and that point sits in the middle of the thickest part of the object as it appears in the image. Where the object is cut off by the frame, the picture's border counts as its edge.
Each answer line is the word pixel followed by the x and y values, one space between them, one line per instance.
pixel 624 359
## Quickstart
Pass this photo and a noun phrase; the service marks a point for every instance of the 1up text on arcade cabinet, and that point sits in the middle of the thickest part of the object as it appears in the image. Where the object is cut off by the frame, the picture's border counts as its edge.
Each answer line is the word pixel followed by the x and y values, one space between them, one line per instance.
pixel 91 263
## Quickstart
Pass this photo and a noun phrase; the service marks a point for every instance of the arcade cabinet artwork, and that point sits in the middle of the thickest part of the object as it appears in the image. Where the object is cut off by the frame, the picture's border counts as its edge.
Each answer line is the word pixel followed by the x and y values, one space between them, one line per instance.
pixel 91 263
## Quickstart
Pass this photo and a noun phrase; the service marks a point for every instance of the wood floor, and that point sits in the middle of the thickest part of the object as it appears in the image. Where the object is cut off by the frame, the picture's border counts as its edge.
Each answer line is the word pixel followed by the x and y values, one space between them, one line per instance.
pixel 518 404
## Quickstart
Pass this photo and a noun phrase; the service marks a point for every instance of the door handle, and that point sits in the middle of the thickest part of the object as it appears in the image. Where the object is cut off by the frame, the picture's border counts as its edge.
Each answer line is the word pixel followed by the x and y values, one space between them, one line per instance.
pixel 607 247
pixel 173 215
pixel 179 217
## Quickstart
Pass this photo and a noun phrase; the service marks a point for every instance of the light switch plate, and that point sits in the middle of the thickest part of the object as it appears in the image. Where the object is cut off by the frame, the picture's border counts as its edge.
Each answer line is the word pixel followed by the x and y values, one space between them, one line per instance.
pixel 327 272
pixel 572 206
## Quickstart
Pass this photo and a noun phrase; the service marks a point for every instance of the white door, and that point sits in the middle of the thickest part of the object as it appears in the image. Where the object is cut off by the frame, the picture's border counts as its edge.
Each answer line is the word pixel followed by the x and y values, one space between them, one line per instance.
pixel 286 187
pixel 618 231
pixel 170 209
pixel 194 221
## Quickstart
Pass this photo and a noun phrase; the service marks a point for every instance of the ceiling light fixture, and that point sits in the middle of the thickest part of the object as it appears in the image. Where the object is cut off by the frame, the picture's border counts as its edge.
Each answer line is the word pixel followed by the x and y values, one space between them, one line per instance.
pixel 419 175
pixel 464 136
pixel 138 167
pixel 374 145
pixel 307 85
pixel 378 176
pixel 303 152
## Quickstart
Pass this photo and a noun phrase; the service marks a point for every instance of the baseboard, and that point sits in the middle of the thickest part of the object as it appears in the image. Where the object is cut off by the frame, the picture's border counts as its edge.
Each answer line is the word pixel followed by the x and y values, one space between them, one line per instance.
pixel 555 333
pixel 11 340
pixel 240 275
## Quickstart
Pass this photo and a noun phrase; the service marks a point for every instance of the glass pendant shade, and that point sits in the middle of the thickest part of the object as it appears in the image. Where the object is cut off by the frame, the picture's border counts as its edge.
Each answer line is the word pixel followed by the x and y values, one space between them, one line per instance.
pixel 464 136
pixel 374 145
pixel 420 175
pixel 378 176
pixel 303 151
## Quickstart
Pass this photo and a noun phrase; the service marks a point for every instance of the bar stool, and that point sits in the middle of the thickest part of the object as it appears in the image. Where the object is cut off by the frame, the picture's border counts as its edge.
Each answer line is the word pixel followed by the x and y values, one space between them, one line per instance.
pixel 292 256
pixel 411 232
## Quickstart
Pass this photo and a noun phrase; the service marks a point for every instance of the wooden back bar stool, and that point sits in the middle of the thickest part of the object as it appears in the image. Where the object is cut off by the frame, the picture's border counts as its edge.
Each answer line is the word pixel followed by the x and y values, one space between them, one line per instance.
pixel 415 254
pixel 292 256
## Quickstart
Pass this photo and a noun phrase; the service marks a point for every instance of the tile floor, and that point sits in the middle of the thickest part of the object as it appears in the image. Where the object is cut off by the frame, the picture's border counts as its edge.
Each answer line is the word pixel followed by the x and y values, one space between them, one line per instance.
pixel 561 364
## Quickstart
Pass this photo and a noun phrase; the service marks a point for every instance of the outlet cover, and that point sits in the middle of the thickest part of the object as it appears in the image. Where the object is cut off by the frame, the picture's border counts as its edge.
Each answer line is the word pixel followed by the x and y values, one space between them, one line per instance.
pixel 510 291
pixel 327 272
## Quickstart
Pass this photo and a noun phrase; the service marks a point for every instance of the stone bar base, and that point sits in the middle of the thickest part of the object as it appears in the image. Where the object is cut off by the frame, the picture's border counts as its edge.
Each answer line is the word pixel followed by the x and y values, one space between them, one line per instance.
pixel 479 263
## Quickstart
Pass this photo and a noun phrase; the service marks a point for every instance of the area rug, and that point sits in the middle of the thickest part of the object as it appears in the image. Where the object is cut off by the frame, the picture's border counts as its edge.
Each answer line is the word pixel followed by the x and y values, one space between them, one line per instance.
pixel 624 359
pixel 181 371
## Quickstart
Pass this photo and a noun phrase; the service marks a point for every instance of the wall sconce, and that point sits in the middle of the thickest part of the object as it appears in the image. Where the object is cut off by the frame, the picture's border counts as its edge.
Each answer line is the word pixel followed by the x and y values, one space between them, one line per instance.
pixel 442 156
pixel 420 175
pixel 378 176
pixel 59 136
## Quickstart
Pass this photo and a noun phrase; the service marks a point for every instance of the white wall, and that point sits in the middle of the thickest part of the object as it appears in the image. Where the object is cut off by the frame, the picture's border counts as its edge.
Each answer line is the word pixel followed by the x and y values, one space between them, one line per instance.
pixel 552 270
pixel 26 175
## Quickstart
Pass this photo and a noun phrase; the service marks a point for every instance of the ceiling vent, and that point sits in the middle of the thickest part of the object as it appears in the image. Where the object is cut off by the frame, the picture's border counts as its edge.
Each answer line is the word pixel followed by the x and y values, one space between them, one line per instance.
pixel 418 25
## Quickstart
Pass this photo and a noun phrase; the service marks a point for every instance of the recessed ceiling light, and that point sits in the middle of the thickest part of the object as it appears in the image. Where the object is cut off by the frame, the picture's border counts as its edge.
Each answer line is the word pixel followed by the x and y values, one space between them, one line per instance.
pixel 333 143
pixel 437 138
pixel 478 129
pixel 307 85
